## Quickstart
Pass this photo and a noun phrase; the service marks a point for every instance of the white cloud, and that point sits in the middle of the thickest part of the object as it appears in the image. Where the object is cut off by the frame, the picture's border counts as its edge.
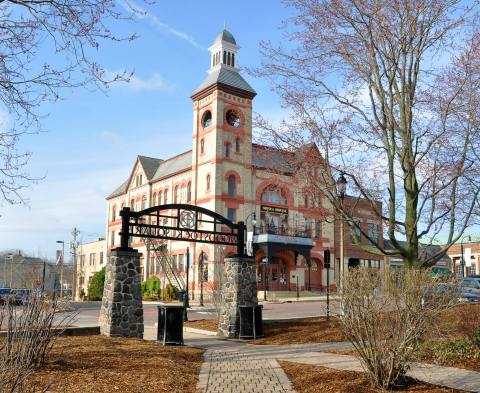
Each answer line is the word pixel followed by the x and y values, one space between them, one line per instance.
pixel 4 120
pixel 154 82
pixel 110 136
pixel 55 207
pixel 141 13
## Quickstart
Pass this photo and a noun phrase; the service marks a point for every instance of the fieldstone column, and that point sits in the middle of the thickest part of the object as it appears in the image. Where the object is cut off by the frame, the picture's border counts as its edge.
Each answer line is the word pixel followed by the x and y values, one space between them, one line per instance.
pixel 238 289
pixel 122 311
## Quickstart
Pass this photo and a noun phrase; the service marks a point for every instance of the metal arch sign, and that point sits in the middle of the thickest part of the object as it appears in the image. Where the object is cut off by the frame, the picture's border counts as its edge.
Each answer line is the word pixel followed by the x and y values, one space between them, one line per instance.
pixel 181 222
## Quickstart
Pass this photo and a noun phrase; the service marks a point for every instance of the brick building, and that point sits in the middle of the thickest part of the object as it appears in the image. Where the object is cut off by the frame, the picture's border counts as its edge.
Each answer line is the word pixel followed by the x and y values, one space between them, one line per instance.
pixel 471 258
pixel 91 258
pixel 225 172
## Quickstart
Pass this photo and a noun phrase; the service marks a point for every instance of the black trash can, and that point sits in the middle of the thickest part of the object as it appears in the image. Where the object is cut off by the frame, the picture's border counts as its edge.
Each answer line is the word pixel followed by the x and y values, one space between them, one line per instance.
pixel 170 324
pixel 251 324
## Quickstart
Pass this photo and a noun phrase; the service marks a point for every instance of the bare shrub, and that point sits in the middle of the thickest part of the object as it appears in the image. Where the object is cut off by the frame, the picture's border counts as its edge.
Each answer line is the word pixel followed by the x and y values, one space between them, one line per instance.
pixel 468 322
pixel 30 332
pixel 386 314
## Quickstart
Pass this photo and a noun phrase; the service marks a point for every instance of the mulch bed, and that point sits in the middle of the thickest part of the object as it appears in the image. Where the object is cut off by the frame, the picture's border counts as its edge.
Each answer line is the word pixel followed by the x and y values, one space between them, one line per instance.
pixel 314 379
pixel 317 330
pixel 204 324
pixel 99 364
pixel 301 332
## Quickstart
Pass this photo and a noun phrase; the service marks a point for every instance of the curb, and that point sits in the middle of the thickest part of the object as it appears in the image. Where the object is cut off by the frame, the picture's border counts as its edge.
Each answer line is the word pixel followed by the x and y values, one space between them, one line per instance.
pixel 296 319
pixel 199 331
pixel 71 331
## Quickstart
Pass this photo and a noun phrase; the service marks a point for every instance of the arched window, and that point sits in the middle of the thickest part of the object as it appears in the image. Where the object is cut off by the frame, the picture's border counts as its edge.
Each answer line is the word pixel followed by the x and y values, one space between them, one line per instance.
pixel 228 58
pixel 208 182
pixel 154 199
pixel 237 145
pixel 224 57
pixel 274 194
pixel 232 185
pixel 160 197
pixel 207 119
pixel 233 59
pixel 189 191
pixel 114 213
pixel 144 202
pixel 165 197
pixel 176 196
pixel 227 149
pixel 132 204
pixel 202 146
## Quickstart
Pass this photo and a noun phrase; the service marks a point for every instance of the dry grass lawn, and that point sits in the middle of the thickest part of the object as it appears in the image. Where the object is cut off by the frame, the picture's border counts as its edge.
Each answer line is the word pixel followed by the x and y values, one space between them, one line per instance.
pixel 98 364
pixel 313 379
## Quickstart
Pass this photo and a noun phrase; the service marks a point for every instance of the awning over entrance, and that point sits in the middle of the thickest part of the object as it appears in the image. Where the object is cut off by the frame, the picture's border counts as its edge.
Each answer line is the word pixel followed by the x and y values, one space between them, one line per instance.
pixel 270 244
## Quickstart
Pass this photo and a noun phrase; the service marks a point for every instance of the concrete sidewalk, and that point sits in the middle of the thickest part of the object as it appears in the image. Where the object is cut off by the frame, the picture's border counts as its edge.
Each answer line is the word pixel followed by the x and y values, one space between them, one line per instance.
pixel 451 377
pixel 233 366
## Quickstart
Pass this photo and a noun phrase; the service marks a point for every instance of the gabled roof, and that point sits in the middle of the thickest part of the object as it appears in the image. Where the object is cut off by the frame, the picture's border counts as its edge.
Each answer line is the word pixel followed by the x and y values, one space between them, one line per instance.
pixel 119 190
pixel 268 157
pixel 149 165
pixel 156 169
pixel 225 76
pixel 174 165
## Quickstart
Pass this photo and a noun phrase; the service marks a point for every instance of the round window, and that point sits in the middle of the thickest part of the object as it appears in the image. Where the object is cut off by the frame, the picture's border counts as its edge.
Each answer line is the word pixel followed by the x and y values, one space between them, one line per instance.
pixel 233 119
pixel 207 119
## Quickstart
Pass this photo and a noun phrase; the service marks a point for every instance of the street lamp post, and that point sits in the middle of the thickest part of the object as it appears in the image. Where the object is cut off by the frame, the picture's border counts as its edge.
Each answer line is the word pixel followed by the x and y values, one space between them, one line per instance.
pixel 201 277
pixel 9 256
pixel 462 261
pixel 265 278
pixel 61 266
pixel 341 190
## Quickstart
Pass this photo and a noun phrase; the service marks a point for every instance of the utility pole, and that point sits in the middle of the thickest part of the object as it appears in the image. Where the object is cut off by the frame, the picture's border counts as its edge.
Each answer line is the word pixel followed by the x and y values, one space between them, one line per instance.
pixel 74 246
pixel 61 266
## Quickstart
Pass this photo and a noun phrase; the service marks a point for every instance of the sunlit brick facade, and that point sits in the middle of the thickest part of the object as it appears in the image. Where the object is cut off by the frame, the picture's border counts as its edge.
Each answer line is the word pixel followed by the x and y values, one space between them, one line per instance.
pixel 226 173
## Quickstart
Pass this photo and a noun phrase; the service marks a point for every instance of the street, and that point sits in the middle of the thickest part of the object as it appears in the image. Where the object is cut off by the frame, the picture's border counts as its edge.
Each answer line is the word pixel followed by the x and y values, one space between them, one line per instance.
pixel 89 316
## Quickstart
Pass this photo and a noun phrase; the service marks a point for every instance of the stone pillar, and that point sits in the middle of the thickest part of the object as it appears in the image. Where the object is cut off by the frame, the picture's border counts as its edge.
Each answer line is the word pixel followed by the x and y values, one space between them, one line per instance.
pixel 122 311
pixel 238 289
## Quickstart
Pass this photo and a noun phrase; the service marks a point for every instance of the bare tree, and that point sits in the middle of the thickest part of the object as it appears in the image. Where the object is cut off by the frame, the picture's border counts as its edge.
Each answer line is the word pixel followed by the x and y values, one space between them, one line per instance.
pixel 388 91
pixel 45 47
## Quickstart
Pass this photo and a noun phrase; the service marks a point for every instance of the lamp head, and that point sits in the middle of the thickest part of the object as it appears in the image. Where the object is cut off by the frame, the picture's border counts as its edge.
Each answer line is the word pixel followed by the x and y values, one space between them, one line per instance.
pixel 342 184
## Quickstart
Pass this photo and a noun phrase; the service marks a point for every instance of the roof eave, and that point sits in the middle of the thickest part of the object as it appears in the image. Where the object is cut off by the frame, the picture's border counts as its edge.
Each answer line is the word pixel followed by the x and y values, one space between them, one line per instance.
pixel 225 88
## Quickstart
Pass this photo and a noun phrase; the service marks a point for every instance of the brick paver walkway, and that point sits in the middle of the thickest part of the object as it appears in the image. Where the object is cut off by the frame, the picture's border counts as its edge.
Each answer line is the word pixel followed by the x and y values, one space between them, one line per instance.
pixel 233 372
pixel 233 366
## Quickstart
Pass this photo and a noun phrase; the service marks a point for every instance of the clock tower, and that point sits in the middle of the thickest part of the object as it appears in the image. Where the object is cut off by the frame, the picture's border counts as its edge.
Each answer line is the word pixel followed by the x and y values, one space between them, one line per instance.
pixel 222 135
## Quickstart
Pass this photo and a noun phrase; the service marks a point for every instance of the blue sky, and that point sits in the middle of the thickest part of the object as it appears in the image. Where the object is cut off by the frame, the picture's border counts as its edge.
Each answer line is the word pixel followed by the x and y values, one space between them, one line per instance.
pixel 91 139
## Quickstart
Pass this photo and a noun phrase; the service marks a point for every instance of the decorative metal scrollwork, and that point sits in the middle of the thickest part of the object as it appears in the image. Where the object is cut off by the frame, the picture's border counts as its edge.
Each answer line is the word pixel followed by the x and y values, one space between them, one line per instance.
pixel 187 219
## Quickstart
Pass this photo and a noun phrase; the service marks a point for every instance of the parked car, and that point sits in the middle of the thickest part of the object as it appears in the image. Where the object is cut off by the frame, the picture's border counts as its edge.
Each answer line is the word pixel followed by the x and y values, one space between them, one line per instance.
pixel 475 277
pixel 4 294
pixel 470 289
pixel 22 295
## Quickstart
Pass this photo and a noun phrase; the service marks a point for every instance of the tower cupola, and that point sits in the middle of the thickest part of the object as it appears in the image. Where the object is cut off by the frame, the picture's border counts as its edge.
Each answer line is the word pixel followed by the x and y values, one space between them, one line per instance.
pixel 224 51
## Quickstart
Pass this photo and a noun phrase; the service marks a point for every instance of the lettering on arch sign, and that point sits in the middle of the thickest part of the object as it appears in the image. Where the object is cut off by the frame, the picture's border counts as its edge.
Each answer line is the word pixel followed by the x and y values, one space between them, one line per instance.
pixel 181 222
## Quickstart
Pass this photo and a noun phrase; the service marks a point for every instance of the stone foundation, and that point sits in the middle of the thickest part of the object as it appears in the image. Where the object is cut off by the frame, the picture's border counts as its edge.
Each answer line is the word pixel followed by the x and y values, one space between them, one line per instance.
pixel 239 289
pixel 122 311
